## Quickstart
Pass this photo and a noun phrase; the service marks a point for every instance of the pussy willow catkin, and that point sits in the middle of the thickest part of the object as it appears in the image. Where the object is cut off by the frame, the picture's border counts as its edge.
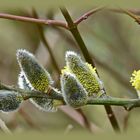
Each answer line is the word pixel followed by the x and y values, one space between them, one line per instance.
pixel 9 100
pixel 34 76
pixel 85 73
pixel 73 92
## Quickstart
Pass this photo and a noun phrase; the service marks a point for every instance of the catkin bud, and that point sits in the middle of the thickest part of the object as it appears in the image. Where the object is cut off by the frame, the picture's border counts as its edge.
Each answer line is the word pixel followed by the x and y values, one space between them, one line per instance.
pixel 33 76
pixel 73 92
pixel 85 73
pixel 135 81
pixel 33 71
pixel 9 100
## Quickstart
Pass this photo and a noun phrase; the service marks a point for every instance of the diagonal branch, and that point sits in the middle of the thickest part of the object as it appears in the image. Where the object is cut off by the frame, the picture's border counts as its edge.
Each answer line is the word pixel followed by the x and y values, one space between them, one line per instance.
pixel 4 127
pixel 45 42
pixel 131 14
pixel 118 10
pixel 87 14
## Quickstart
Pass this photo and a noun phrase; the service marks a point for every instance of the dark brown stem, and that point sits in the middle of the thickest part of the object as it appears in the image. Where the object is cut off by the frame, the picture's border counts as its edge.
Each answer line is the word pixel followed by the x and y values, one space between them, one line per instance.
pixel 74 30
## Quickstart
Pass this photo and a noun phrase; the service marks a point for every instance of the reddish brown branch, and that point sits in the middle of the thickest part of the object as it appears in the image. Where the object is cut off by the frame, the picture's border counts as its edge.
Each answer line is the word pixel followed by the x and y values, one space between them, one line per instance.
pixel 34 20
pixel 130 13
pixel 86 15
pixel 134 11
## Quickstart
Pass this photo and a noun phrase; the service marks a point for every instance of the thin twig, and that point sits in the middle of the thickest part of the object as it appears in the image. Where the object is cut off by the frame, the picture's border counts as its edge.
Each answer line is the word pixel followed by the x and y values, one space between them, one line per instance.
pixel 86 15
pixel 131 14
pixel 44 40
pixel 126 121
pixel 118 10
pixel 28 119
pixel 74 30
pixel 34 20
pixel 78 117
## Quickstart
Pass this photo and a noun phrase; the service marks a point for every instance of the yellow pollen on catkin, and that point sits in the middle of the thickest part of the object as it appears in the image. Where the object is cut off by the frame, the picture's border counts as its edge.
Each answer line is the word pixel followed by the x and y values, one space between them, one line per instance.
pixel 93 70
pixel 65 69
pixel 135 79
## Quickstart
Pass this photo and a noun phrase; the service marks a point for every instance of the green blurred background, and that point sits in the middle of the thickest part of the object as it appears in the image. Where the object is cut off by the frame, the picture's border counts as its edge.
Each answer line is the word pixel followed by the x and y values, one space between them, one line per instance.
pixel 113 42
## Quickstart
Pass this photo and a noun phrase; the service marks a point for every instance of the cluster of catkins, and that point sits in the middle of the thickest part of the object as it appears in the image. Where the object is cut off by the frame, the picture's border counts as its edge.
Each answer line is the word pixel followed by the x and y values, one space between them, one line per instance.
pixel 79 81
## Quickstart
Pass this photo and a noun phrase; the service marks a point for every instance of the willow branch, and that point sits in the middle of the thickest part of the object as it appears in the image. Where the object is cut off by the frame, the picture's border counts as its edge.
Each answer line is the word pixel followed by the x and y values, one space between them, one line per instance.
pixel 118 10
pixel 26 94
pixel 130 13
pixel 77 36
pixel 128 104
pixel 87 14
pixel 34 20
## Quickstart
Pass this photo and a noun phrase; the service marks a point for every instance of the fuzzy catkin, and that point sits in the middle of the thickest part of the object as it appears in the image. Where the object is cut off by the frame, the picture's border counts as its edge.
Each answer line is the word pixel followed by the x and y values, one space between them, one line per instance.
pixel 9 100
pixel 73 92
pixel 84 73
pixel 34 76
pixel 33 71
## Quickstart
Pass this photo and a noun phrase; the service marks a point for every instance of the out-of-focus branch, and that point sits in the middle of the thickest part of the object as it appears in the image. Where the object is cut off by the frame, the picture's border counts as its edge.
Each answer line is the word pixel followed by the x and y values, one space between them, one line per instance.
pixel 28 119
pixel 118 10
pixel 126 122
pixel 129 13
pixel 44 40
pixel 78 117
pixel 4 127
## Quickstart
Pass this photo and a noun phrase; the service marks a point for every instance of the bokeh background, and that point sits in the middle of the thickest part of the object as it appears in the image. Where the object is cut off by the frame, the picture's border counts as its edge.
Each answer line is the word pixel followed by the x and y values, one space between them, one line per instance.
pixel 112 40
